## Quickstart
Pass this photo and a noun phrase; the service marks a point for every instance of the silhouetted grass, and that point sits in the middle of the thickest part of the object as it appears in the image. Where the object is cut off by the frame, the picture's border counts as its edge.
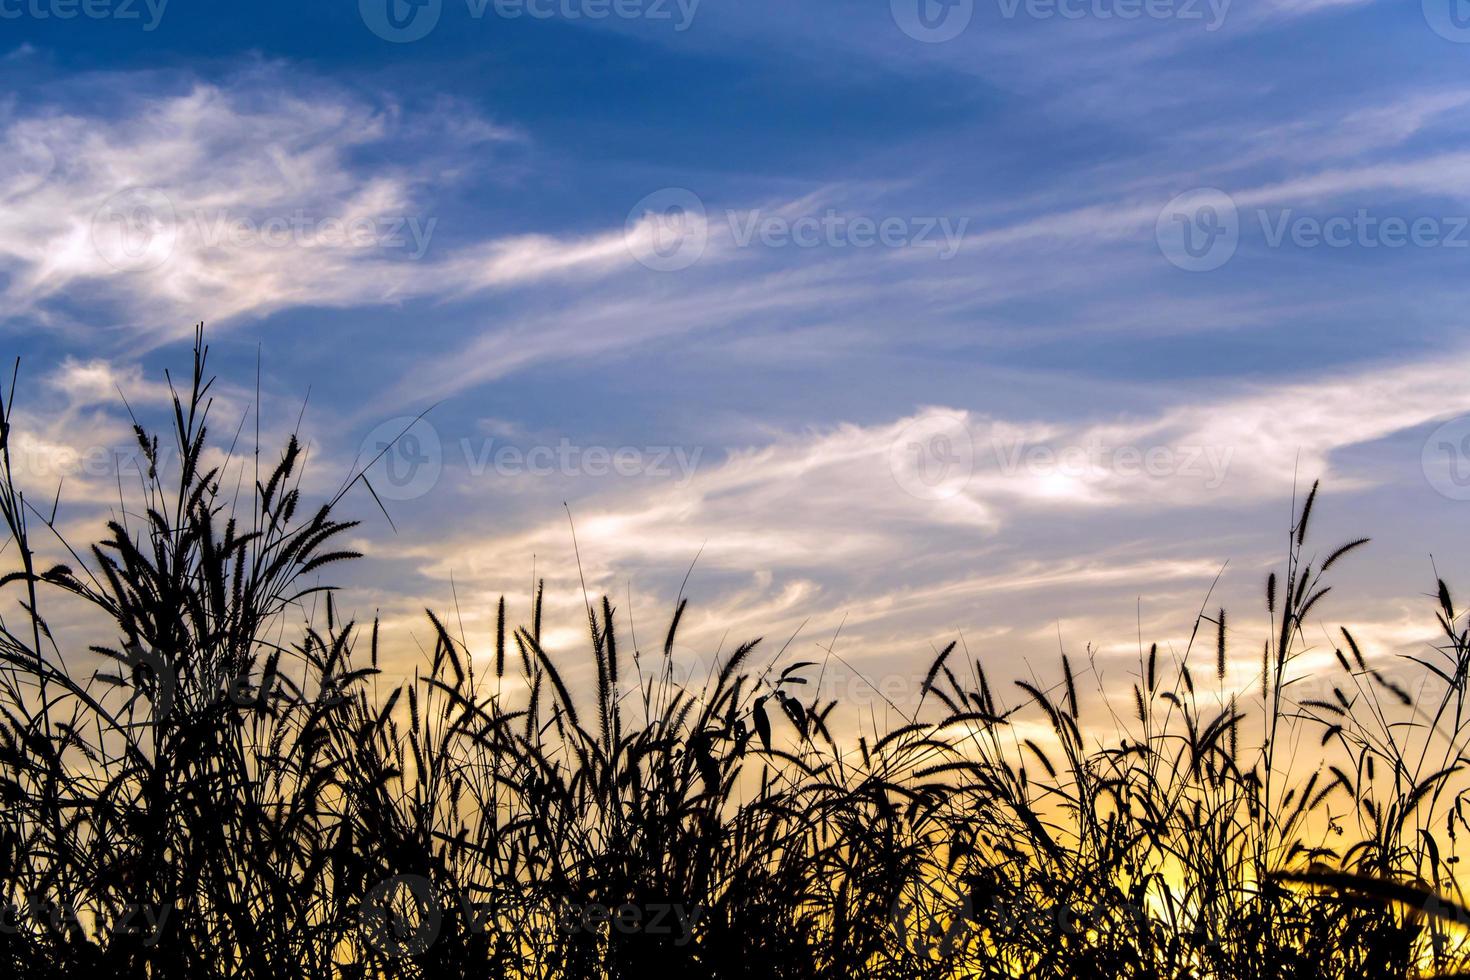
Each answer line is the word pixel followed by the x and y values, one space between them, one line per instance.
pixel 232 795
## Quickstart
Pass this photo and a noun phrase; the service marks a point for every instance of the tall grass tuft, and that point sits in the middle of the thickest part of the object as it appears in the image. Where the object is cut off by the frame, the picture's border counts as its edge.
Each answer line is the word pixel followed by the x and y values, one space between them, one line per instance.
pixel 225 784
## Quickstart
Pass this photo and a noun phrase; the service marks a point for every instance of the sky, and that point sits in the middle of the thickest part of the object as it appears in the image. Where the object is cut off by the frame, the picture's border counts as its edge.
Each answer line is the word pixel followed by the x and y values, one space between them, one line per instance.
pixel 866 326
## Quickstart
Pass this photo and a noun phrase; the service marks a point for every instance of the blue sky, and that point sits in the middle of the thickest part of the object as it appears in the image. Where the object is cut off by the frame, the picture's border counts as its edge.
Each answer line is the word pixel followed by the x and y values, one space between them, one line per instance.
pixel 1018 335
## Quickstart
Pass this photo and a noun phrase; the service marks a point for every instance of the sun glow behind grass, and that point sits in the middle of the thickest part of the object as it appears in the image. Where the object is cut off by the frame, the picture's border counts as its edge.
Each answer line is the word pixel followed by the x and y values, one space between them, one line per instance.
pixel 283 797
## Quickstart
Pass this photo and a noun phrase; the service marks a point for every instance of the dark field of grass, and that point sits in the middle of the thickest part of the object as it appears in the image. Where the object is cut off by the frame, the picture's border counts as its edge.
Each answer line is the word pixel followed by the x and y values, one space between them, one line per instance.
pixel 232 795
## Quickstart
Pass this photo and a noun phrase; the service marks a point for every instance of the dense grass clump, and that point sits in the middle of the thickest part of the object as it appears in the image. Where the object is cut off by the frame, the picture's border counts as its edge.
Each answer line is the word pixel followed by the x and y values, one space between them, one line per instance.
pixel 234 794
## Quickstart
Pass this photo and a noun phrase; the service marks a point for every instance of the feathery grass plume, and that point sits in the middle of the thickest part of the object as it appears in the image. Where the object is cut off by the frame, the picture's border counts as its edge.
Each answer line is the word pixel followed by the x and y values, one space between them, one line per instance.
pixel 500 638
pixel 1071 685
pixel 1343 550
pixel 536 610
pixel 1220 646
pixel 1301 524
pixel 934 667
pixel 1353 646
pixel 309 823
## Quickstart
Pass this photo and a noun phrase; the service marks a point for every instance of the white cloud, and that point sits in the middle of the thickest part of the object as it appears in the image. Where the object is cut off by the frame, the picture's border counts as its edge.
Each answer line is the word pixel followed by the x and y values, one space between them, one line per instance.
pixel 839 524
pixel 101 382
pixel 223 202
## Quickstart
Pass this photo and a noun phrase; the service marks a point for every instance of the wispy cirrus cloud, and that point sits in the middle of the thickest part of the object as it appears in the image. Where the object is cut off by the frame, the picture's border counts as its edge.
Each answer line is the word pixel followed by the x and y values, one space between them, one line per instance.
pixel 931 518
pixel 245 199
pixel 514 293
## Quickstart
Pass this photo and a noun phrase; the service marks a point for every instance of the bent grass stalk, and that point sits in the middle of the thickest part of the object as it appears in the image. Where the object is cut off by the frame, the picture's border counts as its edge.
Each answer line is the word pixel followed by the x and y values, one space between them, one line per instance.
pixel 318 820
